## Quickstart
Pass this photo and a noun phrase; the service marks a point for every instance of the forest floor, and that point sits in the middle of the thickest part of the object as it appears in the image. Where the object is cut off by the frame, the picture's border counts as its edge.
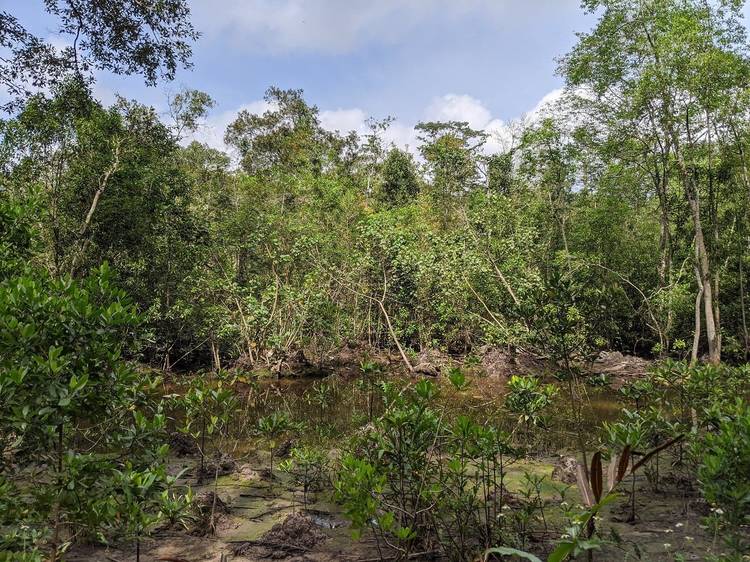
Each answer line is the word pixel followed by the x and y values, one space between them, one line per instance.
pixel 249 514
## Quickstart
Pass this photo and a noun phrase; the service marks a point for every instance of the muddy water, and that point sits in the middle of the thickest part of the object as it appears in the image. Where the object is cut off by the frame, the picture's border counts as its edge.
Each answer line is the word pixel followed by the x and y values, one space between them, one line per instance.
pixel 335 406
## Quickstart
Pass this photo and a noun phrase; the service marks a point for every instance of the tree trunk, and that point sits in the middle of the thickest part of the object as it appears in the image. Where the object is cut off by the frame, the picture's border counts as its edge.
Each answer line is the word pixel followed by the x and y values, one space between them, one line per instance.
pixel 661 182
pixel 215 356
pixel 710 308
pixel 697 330
pixel 742 308
pixel 80 251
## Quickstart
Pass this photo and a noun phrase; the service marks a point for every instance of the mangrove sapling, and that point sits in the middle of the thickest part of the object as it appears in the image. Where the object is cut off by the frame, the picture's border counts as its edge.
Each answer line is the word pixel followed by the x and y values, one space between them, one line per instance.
pixel 176 508
pixel 320 395
pixel 460 486
pixel 494 453
pixel 208 407
pixel 532 492
pixel 74 407
pixel 573 543
pixel 358 487
pixel 658 430
pixel 724 475
pixel 142 493
pixel 669 379
pixel 564 332
pixel 309 469
pixel 457 378
pixel 408 434
pixel 401 451
pixel 370 371
pixel 629 434
pixel 270 428
pixel 601 380
pixel 637 392
pixel 591 482
pixel 579 535
pixel 443 484
pixel 528 398
pixel 713 389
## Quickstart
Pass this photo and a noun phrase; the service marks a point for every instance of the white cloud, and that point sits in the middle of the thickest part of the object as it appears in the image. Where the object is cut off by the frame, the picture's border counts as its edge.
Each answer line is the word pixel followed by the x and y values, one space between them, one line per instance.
pixel 212 131
pixel 450 107
pixel 500 136
pixel 402 135
pixel 454 107
pixel 545 105
pixel 344 120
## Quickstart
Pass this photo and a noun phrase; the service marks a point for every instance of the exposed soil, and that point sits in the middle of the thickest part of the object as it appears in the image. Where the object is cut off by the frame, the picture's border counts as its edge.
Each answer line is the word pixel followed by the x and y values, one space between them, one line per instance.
pixel 494 362
pixel 256 522
pixel 295 535
pixel 209 510
pixel 565 470
pixel 219 464
pixel 498 363
pixel 620 368
pixel 181 444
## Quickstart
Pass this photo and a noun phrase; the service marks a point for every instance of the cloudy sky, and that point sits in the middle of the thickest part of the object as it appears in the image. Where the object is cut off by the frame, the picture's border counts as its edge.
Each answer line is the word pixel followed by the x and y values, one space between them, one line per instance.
pixel 482 61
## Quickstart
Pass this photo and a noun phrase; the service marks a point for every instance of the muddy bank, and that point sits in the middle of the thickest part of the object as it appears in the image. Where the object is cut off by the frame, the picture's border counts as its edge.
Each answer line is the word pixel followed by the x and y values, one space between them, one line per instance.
pixel 493 362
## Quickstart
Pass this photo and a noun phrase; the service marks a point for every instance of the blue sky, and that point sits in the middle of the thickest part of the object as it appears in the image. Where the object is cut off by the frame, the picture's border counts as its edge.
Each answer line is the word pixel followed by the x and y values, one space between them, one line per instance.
pixel 484 61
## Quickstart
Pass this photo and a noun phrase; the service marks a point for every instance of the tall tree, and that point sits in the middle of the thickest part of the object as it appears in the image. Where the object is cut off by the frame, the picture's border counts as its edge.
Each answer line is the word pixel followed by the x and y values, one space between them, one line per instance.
pixel 400 180
pixel 677 66
pixel 152 39
pixel 287 137
pixel 451 150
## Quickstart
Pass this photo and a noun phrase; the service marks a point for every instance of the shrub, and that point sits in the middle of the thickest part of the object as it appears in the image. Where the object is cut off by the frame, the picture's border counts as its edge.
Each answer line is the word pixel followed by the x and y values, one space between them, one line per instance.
pixel 419 481
pixel 724 474
pixel 69 404
pixel 528 398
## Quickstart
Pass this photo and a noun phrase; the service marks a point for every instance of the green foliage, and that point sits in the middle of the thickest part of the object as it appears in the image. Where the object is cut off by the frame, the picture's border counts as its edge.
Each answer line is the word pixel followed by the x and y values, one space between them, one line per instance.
pixel 528 398
pixel 288 136
pixel 17 238
pixel 70 403
pixel 320 395
pixel 631 432
pixel 447 479
pixel 610 224
pixel 357 488
pixel 451 150
pixel 207 407
pixel 573 543
pixel 309 468
pixel 457 378
pixel 152 40
pixel 724 473
pixel 271 427
pixel 637 391
pixel 400 182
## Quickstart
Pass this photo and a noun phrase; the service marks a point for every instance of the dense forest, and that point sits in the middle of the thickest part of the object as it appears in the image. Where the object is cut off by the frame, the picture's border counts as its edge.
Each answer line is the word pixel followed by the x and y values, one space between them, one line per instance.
pixel 442 308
